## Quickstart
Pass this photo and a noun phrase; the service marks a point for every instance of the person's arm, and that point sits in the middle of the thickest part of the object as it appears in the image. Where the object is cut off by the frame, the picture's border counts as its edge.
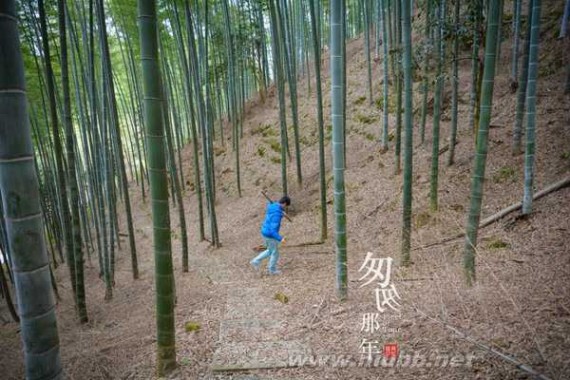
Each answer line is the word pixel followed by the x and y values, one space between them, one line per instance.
pixel 275 234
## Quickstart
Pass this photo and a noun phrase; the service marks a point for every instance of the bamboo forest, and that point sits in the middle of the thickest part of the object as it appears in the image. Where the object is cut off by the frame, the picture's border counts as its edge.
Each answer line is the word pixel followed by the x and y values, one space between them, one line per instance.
pixel 284 189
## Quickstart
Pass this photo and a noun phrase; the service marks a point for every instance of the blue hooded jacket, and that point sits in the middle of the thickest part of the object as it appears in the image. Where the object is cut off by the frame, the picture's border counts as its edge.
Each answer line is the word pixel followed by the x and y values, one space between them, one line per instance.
pixel 272 222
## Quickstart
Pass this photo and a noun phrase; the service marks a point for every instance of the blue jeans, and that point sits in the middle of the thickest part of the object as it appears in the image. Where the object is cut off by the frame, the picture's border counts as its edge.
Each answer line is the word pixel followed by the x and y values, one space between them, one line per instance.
pixel 272 252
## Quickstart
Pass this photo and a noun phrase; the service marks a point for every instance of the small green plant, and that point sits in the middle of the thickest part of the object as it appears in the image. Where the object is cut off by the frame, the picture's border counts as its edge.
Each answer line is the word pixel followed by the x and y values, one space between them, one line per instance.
pixel 379 102
pixel 393 204
pixel 269 131
pixel 498 244
pixel 328 132
pixel 422 219
pixel 565 155
pixel 548 69
pixel 370 136
pixel 457 207
pixel 359 100
pixel 258 130
pixel 275 145
pixel 308 141
pixel 191 326
pixel 366 119
pixel 500 342
pixel 218 150
pixel 504 174
pixel 507 17
pixel 261 151
pixel 275 160
pixel 265 130
pixel 281 297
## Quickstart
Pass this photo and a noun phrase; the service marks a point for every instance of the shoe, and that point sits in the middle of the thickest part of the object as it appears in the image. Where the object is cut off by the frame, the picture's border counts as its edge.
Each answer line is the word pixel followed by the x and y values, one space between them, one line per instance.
pixel 275 273
pixel 254 265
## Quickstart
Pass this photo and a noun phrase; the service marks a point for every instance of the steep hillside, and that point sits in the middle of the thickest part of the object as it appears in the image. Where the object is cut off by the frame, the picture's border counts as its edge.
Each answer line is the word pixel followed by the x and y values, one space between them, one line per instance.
pixel 520 304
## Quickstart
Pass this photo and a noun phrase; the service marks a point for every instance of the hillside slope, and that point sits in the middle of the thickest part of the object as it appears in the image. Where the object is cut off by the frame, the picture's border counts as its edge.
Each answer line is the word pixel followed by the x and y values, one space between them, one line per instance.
pixel 520 304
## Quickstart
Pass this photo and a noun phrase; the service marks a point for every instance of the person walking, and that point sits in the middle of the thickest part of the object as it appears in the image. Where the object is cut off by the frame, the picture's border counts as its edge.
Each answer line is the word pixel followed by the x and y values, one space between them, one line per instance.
pixel 270 232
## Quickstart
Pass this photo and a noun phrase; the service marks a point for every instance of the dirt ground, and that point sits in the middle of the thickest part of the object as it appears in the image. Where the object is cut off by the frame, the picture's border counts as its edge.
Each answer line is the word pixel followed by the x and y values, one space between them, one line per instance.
pixel 519 306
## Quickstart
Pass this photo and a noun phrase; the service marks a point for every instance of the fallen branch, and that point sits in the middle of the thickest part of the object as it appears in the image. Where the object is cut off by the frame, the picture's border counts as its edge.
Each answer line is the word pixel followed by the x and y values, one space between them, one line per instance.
pixel 304 244
pixel 443 150
pixel 318 253
pixel 414 279
pixel 337 312
pixel 504 212
pixel 315 316
pixel 550 189
pixel 374 211
pixel 493 351
pixel 446 148
pixel 441 242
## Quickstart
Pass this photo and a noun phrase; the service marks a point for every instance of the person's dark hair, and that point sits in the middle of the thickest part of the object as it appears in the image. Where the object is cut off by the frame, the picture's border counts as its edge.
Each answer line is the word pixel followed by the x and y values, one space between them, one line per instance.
pixel 285 200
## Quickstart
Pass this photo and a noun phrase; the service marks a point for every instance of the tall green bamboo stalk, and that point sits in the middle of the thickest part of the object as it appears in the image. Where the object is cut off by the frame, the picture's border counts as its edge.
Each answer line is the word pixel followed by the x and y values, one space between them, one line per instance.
pixel 232 87
pixel 118 146
pixel 320 126
pixel 288 48
pixel 167 89
pixel 517 4
pixel 564 21
pixel 190 107
pixel 522 87
pixel 474 215
pixel 500 34
pixel 408 125
pixel 367 27
pixel 385 81
pixel 434 177
pixel 399 79
pixel 278 70
pixel 23 216
pixel 427 56
pixel 531 109
pixel 58 151
pixel 337 111
pixel 71 172
pixel 477 8
pixel 208 171
pixel 166 346
pixel 455 85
